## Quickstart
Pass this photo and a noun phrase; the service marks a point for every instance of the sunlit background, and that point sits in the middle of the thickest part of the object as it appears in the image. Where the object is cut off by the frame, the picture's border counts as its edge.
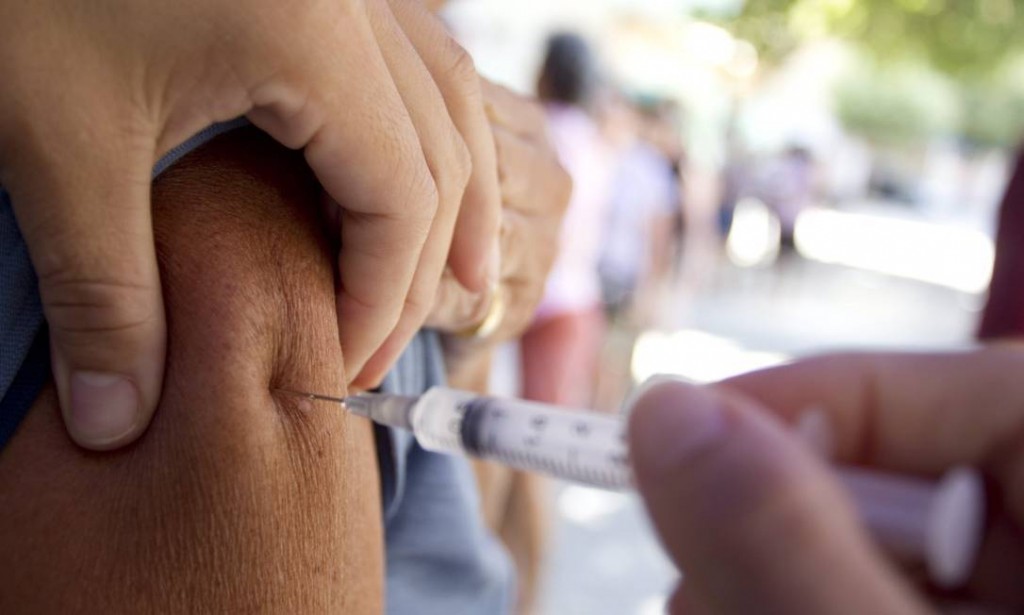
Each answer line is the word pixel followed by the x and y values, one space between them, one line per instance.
pixel 910 111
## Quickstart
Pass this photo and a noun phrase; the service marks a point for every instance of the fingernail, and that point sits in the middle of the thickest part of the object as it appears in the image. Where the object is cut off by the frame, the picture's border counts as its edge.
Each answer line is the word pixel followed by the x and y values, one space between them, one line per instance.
pixel 104 407
pixel 675 421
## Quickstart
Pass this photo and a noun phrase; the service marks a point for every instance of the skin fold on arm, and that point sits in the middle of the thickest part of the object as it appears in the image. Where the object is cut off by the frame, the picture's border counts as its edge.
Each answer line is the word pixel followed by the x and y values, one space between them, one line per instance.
pixel 237 498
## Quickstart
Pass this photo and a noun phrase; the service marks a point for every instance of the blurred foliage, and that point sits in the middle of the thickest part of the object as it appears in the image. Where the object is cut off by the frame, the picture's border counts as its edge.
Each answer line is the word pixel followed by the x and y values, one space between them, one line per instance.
pixel 992 110
pixel 903 103
pixel 959 37
pixel 896 104
pixel 953 67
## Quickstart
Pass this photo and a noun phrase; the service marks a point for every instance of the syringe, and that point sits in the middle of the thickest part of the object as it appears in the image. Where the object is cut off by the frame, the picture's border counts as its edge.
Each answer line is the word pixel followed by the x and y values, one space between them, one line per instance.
pixel 938 523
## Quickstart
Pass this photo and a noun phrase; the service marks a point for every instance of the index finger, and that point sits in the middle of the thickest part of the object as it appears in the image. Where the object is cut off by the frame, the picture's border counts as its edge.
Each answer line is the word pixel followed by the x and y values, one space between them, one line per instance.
pixel 362 145
pixel 920 413
pixel 476 230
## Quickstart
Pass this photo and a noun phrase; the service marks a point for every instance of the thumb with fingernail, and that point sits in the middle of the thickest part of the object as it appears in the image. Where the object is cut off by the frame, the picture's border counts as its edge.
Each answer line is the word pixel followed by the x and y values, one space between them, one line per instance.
pixel 748 514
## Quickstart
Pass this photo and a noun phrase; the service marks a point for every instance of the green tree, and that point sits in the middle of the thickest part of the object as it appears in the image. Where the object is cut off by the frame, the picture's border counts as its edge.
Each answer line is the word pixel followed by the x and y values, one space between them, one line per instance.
pixel 992 109
pixel 961 37
pixel 894 105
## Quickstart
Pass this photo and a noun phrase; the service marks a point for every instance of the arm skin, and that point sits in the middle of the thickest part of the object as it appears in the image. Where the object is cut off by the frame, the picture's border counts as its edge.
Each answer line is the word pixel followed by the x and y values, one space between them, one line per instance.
pixel 237 499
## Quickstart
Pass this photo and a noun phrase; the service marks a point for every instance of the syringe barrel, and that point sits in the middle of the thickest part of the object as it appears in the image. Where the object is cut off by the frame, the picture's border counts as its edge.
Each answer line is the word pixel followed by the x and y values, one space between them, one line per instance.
pixel 580 446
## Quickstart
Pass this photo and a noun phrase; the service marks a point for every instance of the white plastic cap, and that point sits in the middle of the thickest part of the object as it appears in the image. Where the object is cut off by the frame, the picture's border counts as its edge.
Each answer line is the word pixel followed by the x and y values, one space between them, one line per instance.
pixel 955 527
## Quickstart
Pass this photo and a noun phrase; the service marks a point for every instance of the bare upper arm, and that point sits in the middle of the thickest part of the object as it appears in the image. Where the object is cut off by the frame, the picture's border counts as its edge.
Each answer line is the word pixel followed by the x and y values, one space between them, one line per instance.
pixel 236 499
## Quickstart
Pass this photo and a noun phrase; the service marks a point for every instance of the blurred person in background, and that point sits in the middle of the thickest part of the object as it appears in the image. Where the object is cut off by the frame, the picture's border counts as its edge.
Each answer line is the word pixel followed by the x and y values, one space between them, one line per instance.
pixel 786 186
pixel 735 184
pixel 643 211
pixel 559 350
pixel 534 191
pixel 661 126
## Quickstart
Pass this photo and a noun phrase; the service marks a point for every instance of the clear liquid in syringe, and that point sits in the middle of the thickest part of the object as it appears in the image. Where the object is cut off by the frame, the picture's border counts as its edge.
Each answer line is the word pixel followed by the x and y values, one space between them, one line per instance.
pixel 574 445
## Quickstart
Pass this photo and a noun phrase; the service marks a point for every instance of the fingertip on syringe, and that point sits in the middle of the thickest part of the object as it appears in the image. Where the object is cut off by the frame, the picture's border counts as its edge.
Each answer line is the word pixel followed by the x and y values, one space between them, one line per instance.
pixel 938 523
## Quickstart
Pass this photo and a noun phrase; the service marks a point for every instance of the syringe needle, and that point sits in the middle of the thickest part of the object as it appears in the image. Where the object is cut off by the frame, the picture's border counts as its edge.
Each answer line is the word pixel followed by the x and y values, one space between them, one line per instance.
pixel 314 396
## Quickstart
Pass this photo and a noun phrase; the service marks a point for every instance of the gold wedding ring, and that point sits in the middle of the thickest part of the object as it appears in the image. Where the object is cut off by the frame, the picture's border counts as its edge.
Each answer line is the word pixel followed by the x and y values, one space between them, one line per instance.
pixel 491 320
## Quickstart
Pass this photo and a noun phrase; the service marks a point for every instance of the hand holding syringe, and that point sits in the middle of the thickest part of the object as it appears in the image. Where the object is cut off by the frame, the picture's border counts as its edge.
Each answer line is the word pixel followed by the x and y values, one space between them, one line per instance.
pixel 937 523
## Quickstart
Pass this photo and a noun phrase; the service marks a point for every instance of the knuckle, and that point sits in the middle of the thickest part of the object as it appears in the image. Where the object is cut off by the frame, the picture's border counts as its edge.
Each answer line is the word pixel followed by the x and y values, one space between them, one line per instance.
pixel 443 305
pixel 461 70
pixel 84 308
pixel 462 162
pixel 421 192
pixel 419 302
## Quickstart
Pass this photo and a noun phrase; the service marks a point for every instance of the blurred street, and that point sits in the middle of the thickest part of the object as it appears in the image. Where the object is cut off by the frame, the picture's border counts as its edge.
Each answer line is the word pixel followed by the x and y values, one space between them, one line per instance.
pixel 604 558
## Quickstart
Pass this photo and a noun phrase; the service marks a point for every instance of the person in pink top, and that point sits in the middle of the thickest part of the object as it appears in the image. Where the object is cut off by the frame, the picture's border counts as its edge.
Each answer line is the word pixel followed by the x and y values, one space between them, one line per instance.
pixel 559 351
